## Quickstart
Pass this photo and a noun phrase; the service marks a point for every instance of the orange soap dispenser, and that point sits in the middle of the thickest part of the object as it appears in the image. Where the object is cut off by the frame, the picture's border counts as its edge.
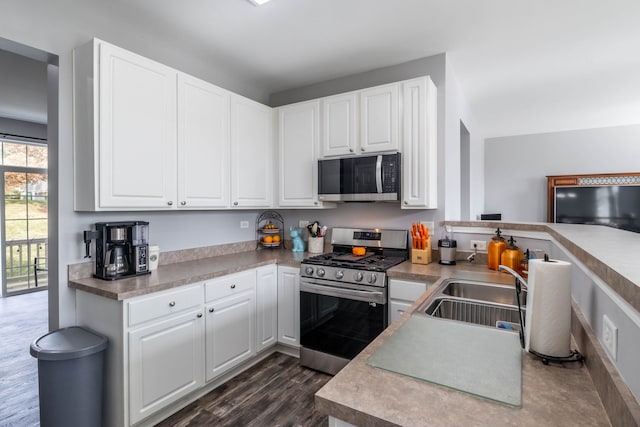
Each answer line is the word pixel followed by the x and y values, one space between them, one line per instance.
pixel 496 246
pixel 511 257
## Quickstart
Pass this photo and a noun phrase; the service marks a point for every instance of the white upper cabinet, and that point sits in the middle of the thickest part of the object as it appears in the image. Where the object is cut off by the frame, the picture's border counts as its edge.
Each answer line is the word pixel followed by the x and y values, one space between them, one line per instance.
pixel 148 137
pixel 419 144
pixel 379 116
pixel 124 130
pixel 203 144
pixel 298 136
pixel 251 154
pixel 340 124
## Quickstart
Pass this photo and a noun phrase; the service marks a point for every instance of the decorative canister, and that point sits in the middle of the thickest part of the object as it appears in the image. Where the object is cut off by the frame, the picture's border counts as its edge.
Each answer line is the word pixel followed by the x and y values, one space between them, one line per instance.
pixel 316 245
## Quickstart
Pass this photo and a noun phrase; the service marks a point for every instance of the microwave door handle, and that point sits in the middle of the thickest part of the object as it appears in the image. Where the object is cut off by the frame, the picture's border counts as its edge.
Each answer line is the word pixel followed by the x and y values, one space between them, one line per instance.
pixel 379 174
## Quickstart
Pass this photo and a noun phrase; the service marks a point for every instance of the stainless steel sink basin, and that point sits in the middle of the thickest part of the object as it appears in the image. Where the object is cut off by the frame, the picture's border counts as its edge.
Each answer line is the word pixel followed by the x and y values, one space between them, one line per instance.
pixel 480 303
pixel 479 313
pixel 484 291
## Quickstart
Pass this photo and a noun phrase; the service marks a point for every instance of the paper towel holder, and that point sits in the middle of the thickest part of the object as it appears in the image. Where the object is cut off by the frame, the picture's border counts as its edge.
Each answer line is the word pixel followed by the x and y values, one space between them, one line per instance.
pixel 574 355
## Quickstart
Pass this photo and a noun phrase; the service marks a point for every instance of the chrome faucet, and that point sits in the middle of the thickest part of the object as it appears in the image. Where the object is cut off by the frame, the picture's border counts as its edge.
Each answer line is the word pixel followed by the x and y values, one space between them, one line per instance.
pixel 514 274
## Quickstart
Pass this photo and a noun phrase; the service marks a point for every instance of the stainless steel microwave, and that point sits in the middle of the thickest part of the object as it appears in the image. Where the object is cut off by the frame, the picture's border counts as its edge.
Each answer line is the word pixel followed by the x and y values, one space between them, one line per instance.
pixel 363 178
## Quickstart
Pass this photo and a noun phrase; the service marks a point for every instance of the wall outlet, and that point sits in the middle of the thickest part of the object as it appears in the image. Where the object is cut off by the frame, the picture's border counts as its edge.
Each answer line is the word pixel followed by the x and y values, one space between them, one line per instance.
pixel 303 223
pixel 610 337
pixel 244 224
pixel 430 226
pixel 481 245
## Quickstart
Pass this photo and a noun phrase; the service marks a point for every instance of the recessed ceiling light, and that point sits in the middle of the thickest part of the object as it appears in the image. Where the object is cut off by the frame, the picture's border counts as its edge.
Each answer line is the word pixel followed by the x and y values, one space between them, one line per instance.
pixel 258 2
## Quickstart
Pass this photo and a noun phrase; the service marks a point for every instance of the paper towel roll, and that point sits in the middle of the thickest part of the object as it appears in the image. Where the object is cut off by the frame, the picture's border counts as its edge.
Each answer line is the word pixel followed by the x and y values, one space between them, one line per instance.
pixel 548 318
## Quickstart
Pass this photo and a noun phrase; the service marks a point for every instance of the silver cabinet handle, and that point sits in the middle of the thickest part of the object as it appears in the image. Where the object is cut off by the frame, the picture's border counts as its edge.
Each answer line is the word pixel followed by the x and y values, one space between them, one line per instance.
pixel 183 203
pixel 170 203
pixel 172 304
pixel 361 148
pixel 351 150
pixel 199 315
pixel 211 310
pixel 406 203
pixel 233 286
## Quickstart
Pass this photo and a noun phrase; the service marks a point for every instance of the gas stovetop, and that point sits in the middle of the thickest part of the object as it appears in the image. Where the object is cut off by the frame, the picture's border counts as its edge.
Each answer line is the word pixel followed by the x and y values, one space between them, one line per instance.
pixel 384 249
pixel 368 262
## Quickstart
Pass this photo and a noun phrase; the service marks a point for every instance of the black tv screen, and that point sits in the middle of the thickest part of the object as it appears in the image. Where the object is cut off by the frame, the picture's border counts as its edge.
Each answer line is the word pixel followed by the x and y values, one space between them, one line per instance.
pixel 615 206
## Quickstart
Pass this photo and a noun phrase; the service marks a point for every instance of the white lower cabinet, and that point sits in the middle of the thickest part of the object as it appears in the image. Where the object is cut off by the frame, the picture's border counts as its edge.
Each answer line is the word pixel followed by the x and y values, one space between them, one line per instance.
pixel 266 307
pixel 166 349
pixel 402 295
pixel 167 345
pixel 230 326
pixel 165 363
pixel 289 306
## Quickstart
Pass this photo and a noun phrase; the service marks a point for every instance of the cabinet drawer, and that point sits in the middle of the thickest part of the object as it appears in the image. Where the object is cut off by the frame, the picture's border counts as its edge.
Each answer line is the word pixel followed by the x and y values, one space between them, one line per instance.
pixel 404 290
pixel 152 307
pixel 230 285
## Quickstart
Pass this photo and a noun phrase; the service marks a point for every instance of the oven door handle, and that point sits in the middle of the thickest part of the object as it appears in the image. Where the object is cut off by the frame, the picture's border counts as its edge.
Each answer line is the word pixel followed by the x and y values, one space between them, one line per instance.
pixel 353 294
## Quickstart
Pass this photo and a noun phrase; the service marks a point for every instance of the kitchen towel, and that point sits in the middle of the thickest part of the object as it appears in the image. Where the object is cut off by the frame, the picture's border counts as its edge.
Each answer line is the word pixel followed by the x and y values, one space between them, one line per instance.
pixel 548 317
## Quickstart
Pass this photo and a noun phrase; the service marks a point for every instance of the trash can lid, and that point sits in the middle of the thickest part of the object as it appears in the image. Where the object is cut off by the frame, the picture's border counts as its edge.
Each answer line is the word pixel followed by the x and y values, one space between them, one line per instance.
pixel 68 343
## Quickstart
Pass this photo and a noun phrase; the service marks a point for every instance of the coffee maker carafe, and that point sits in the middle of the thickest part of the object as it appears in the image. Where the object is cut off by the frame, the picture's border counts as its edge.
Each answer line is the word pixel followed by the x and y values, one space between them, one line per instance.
pixel 121 249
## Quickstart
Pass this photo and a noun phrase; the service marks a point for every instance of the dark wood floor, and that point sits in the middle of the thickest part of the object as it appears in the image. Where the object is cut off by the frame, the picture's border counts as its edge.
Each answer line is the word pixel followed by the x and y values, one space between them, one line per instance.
pixel 276 392
pixel 23 318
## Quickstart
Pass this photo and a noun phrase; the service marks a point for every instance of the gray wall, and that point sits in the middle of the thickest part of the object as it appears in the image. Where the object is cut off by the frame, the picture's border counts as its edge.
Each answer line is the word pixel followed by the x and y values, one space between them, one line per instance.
pixel 12 127
pixel 23 88
pixel 516 166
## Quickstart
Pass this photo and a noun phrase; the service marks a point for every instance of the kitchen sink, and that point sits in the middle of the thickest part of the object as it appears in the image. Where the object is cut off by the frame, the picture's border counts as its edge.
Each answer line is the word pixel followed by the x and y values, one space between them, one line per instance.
pixel 480 303
pixel 484 291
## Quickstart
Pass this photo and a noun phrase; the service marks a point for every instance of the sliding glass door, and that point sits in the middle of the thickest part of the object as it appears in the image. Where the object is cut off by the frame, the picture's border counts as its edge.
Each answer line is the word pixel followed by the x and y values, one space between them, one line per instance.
pixel 24 211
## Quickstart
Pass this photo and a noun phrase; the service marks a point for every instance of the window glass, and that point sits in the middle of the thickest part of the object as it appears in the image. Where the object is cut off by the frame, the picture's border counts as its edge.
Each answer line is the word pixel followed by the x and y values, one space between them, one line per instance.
pixel 37 156
pixel 14 154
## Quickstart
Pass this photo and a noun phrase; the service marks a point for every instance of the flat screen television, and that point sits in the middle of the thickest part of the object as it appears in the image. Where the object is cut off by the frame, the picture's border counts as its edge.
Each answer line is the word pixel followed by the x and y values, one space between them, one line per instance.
pixel 615 206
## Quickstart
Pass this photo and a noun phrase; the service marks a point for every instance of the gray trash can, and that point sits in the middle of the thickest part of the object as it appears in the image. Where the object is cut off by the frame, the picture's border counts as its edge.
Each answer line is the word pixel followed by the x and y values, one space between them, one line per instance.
pixel 70 376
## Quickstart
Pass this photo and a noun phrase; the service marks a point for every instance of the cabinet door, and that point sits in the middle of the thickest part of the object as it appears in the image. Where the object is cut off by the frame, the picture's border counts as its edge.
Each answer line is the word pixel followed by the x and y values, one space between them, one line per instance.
pixel 266 307
pixel 251 154
pixel 419 145
pixel 137 116
pixel 289 306
pixel 298 133
pixel 166 362
pixel 397 309
pixel 339 124
pixel 230 332
pixel 379 118
pixel 203 144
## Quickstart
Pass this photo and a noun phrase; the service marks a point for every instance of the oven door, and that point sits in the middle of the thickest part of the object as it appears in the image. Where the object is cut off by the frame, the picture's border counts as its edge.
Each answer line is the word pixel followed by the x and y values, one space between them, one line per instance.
pixel 337 321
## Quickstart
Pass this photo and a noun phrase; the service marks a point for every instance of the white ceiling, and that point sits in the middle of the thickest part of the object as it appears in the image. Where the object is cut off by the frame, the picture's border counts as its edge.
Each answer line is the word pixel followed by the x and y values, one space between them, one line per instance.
pixel 524 66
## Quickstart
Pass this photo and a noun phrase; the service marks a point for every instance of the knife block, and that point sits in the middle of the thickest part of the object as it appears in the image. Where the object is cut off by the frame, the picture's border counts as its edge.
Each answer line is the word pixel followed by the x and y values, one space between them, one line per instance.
pixel 422 256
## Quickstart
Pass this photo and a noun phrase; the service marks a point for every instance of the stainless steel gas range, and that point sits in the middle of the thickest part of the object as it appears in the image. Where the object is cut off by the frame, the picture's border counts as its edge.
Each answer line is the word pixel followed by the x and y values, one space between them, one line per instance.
pixel 343 297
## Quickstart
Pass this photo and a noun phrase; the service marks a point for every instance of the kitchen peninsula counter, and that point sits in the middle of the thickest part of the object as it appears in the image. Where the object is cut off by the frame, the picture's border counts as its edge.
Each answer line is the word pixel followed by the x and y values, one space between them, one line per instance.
pixel 551 395
pixel 366 396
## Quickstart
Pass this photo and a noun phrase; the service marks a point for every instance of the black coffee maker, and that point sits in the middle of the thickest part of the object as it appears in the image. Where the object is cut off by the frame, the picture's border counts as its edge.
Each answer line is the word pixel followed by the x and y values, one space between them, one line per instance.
pixel 121 249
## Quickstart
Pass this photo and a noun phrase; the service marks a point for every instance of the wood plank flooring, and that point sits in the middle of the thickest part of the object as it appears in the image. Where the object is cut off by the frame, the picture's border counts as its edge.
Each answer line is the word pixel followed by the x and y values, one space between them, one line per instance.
pixel 23 318
pixel 276 392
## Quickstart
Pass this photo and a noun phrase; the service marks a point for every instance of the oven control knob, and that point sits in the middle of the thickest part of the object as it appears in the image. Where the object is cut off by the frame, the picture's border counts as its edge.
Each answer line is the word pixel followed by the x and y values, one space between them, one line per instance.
pixel 339 274
pixel 358 276
pixel 308 270
pixel 320 272
pixel 373 278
